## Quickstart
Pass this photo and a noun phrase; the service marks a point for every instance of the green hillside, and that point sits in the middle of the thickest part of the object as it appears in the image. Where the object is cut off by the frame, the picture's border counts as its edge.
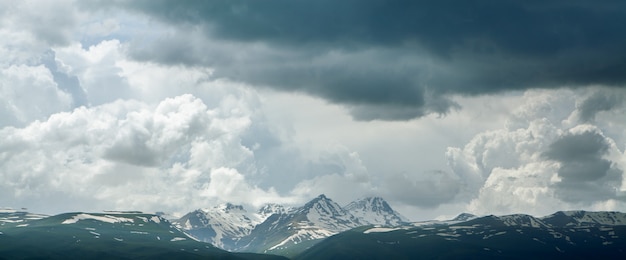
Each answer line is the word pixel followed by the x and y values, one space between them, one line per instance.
pixel 475 241
pixel 106 236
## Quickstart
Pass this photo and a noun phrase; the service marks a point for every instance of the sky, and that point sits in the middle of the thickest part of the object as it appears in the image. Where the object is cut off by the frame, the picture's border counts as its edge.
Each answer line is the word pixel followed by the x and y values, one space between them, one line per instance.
pixel 440 107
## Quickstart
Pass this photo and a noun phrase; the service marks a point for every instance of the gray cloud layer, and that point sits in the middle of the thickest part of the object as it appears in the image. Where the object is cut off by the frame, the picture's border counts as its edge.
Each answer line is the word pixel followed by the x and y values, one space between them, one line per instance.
pixel 598 102
pixel 395 59
pixel 585 174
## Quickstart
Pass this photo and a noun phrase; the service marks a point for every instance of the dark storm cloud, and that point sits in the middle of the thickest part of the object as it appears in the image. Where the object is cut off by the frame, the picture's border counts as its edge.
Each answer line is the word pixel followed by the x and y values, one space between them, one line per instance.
pixel 578 147
pixel 585 174
pixel 398 54
pixel 598 102
pixel 592 191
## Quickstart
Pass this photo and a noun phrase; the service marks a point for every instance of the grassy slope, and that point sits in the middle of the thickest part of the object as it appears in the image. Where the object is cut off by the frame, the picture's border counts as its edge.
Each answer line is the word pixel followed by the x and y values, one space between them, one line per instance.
pixel 92 239
pixel 419 244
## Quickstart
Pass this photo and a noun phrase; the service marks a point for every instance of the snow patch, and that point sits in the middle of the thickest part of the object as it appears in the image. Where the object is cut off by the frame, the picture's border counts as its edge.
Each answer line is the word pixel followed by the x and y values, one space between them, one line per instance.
pixel 461 227
pixel 155 219
pixel 448 235
pixel 105 218
pixel 379 230
pixel 304 235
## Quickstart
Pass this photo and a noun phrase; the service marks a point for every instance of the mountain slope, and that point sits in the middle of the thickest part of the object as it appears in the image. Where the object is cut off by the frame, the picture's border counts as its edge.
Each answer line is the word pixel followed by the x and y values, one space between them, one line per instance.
pixel 289 233
pixel 585 218
pixel 221 225
pixel 270 209
pixel 111 235
pixel 375 211
pixel 505 237
pixel 521 220
pixel 11 217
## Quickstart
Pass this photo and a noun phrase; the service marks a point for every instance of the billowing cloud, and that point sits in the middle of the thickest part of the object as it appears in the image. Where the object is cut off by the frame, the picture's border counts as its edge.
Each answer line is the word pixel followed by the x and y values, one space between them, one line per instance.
pixel 170 106
pixel 392 60
pixel 18 106
pixel 534 165
pixel 126 153
pixel 49 23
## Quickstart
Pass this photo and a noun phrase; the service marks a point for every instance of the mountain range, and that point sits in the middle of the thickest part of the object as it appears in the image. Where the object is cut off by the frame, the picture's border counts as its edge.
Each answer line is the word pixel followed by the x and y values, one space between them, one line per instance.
pixel 282 230
pixel 562 235
pixel 320 229
pixel 109 235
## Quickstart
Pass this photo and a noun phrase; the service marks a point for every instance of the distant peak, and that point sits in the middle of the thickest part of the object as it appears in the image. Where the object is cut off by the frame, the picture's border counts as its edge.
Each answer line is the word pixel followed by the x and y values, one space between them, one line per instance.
pixel 229 206
pixel 322 196
pixel 372 200
pixel 370 203
pixel 321 200
pixel 271 208
pixel 464 217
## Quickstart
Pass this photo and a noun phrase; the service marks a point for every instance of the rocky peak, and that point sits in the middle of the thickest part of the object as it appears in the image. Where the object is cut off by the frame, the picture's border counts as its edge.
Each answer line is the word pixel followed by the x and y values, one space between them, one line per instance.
pixel 375 210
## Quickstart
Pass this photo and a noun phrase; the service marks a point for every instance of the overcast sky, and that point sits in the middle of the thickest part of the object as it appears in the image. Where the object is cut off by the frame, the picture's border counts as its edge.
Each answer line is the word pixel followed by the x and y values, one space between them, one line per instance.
pixel 440 107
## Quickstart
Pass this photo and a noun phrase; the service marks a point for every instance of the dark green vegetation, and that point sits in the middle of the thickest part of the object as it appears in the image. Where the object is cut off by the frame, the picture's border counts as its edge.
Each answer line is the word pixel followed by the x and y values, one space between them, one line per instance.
pixel 133 235
pixel 105 236
pixel 488 237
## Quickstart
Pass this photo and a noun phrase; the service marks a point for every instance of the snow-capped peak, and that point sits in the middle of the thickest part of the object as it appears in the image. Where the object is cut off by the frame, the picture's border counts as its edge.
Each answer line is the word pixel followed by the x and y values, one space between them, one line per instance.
pixel 269 209
pixel 323 206
pixel 375 210
pixel 327 214
pixel 220 225
pixel 226 208
pixel 375 204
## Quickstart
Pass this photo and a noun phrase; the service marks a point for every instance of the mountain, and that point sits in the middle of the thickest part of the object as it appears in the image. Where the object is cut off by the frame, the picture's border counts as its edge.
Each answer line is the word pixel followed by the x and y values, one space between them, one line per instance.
pixel 109 235
pixel 320 229
pixel 325 213
pixel 431 223
pixel 11 217
pixel 221 225
pixel 464 217
pixel 375 211
pixel 270 209
pixel 291 232
pixel 283 230
pixel 577 235
pixel 521 220
pixel 585 218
